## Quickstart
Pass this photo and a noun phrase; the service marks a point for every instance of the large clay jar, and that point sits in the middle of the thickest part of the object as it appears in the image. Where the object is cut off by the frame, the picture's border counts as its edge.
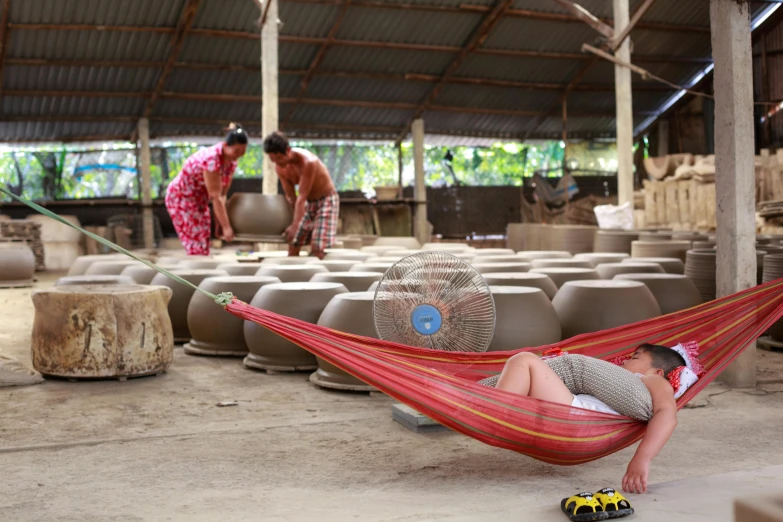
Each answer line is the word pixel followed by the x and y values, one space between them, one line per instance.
pixel 17 265
pixel 672 248
pixel 592 306
pixel 491 268
pixel 214 331
pixel 143 274
pixel 701 268
pixel 670 265
pixel 350 313
pixel 616 241
pixel 674 292
pixel 530 255
pixel 528 279
pixel 353 281
pixel 292 273
pixel 561 263
pixel 100 331
pixel 82 263
pixel 338 265
pixel 609 270
pixel 598 258
pixel 180 299
pixel 255 216
pixel 524 317
pixel 304 301
pixel 114 267
pixel 240 269
pixel 560 276
pixel 572 238
pixel 95 280
pixel 381 268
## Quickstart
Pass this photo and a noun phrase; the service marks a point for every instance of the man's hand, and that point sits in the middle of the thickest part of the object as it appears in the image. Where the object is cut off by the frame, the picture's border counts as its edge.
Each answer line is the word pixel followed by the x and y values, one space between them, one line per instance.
pixel 291 200
pixel 228 234
pixel 290 234
pixel 635 479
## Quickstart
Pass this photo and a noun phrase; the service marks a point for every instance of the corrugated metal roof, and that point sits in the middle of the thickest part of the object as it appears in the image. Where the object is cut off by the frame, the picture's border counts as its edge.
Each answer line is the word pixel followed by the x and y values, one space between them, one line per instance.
pixel 75 106
pixel 87 45
pixel 337 88
pixel 539 35
pixel 66 131
pixel 247 83
pixel 385 25
pixel 541 70
pixel 79 78
pixel 359 116
pixel 479 124
pixel 214 110
pixel 495 98
pixel 103 12
pixel 359 59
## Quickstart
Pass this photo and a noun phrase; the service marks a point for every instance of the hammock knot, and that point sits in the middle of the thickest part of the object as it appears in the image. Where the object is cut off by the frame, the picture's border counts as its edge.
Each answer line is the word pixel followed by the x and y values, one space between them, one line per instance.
pixel 224 299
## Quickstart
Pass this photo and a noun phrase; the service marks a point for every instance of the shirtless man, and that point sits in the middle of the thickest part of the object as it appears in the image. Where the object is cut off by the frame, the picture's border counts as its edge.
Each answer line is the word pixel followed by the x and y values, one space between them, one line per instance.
pixel 317 206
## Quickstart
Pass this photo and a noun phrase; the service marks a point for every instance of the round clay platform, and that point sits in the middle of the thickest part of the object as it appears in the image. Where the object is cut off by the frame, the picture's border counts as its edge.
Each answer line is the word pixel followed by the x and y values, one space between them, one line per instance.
pixel 95 280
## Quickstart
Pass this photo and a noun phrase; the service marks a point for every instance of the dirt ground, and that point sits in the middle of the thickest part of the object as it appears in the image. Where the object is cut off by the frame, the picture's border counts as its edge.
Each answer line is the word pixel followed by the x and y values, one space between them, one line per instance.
pixel 158 448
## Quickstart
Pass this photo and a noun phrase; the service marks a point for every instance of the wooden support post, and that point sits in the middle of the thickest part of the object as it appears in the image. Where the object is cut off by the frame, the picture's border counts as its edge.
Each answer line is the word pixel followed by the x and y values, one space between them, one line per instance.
pixel 734 164
pixel 269 75
pixel 143 130
pixel 399 168
pixel 420 192
pixel 622 85
pixel 663 138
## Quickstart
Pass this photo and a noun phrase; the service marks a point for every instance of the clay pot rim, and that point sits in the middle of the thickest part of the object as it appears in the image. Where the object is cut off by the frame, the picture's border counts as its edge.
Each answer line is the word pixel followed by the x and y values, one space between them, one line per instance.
pixel 304 286
pixel 103 289
pixel 603 284
pixel 308 266
pixel 600 255
pixel 349 274
pixel 651 260
pixel 198 271
pixel 504 265
pixel 564 270
pixel 356 296
pixel 639 264
pixel 516 275
pixel 537 252
pixel 508 289
pixel 241 279
pixel 648 275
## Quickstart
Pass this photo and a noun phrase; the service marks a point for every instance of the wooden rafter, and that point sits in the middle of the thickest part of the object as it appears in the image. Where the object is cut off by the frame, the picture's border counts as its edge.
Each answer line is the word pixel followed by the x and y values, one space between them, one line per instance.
pixel 177 42
pixel 316 62
pixel 4 33
pixel 585 16
pixel 477 38
pixel 618 40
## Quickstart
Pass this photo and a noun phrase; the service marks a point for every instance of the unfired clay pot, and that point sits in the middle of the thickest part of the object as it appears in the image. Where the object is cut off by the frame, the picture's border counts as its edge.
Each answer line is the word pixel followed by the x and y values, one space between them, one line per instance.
pixel 338 265
pixel 305 301
pixel 143 274
pixel 598 258
pixel 214 331
pixel 591 306
pixel 351 313
pixel 674 292
pixel 201 264
pixel 507 258
pixel 180 299
pixel 560 276
pixel 291 260
pixel 256 216
pixel 530 255
pixel 82 263
pixel 292 273
pixel 446 247
pixel 525 317
pixel 95 331
pixel 482 252
pixel 95 280
pixel 360 257
pixel 671 265
pixel 398 242
pixel 17 265
pixel 529 279
pixel 114 267
pixel 609 270
pixel 381 268
pixel 561 263
pixel 378 250
pixel 490 268
pixel 353 281
pixel 240 269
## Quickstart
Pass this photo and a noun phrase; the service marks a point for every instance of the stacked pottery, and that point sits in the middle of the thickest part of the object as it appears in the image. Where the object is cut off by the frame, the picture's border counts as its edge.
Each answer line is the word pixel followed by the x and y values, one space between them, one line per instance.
pixel 292 273
pixel 609 270
pixel 524 317
pixel 530 255
pixel 304 301
pixel 671 265
pixel 489 268
pixel 61 243
pixel 700 267
pixel 674 292
pixel 652 248
pixel 353 281
pixel 350 313
pixel 525 236
pixel 255 216
pixel 760 254
pixel 560 276
pixel 17 265
pixel 598 258
pixel 561 263
pixel 181 295
pixel 528 279
pixel 656 235
pixel 592 306
pixel 616 241
pixel 773 269
pixel 216 333
pixel 95 280
pixel 571 238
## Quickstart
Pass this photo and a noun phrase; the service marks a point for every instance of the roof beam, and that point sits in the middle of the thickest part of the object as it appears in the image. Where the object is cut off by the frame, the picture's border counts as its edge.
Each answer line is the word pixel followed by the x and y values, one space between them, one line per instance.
pixel 585 16
pixel 177 41
pixel 618 40
pixel 478 38
pixel 4 32
pixel 319 57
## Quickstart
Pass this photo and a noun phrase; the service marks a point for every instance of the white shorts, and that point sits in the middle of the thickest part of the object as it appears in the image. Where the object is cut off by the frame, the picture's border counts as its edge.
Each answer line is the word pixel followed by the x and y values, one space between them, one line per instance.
pixel 588 402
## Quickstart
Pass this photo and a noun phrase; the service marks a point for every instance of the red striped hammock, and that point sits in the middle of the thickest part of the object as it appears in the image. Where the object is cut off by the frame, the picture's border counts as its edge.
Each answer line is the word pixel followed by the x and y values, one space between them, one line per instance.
pixel 442 385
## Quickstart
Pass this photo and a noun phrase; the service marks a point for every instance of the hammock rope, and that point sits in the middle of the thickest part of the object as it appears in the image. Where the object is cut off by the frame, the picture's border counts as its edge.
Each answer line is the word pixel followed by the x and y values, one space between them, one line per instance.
pixel 444 385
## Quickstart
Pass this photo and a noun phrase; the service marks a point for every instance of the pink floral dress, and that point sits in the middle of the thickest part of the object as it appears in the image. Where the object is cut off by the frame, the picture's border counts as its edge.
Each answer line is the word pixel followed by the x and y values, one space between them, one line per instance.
pixel 187 199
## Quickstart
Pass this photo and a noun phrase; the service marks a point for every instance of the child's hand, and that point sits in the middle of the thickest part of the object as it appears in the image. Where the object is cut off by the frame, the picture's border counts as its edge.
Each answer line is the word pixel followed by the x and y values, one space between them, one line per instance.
pixel 635 479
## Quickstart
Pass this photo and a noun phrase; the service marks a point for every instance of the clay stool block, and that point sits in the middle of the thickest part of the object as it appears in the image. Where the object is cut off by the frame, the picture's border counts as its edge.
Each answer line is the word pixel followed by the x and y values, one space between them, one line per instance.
pixel 82 263
pixel 674 292
pixel 597 258
pixel 178 305
pixel 561 276
pixel 95 280
pixel 113 267
pixel 240 269
pixel 353 281
pixel 305 301
pixel 100 331
pixel 214 331
pixel 292 273
pixel 561 263
pixel 350 313
pixel 292 260
pixel 530 255
pixel 524 317
pixel 143 274
pixel 609 270
pixel 529 279
pixel 671 265
pixel 17 265
pixel 592 306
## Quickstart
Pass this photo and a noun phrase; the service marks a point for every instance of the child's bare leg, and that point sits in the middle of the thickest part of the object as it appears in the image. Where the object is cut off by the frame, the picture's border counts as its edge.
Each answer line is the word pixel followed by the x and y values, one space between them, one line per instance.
pixel 526 374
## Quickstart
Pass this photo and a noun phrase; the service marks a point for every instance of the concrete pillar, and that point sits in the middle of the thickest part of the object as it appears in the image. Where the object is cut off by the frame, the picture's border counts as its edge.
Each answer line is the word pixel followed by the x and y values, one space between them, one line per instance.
pixel 269 108
pixel 734 158
pixel 143 129
pixel 663 138
pixel 420 188
pixel 623 101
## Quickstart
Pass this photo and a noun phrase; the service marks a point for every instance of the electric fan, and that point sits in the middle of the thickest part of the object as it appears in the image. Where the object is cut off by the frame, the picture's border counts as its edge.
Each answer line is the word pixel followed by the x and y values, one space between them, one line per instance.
pixel 434 300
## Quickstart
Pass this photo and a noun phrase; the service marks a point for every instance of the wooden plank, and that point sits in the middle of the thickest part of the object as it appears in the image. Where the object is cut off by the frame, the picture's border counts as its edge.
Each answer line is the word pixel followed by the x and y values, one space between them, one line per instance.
pixel 672 203
pixel 693 218
pixel 710 199
pixel 684 199
pixel 650 206
pixel 660 202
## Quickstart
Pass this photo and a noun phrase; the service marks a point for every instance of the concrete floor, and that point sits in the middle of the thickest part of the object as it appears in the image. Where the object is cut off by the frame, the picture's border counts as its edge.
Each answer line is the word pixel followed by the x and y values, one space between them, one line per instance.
pixel 158 448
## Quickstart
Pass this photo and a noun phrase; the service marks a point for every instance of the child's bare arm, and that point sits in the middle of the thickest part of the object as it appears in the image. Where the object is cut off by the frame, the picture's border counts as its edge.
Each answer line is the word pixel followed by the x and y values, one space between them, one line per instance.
pixel 659 429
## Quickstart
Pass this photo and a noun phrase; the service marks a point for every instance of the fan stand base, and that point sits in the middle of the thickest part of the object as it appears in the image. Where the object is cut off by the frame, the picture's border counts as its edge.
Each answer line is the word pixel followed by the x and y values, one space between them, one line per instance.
pixel 415 421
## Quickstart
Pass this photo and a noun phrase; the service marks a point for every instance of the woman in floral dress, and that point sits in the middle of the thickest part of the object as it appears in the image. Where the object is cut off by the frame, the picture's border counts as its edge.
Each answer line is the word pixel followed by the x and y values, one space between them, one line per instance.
pixel 205 176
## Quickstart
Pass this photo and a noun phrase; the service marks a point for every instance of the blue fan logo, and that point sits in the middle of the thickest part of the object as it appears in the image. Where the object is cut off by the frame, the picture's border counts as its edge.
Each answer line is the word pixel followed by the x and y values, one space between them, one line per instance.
pixel 426 319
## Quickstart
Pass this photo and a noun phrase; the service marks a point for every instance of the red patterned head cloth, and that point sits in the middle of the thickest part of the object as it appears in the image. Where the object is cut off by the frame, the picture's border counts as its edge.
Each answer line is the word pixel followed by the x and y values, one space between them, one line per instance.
pixel 684 377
